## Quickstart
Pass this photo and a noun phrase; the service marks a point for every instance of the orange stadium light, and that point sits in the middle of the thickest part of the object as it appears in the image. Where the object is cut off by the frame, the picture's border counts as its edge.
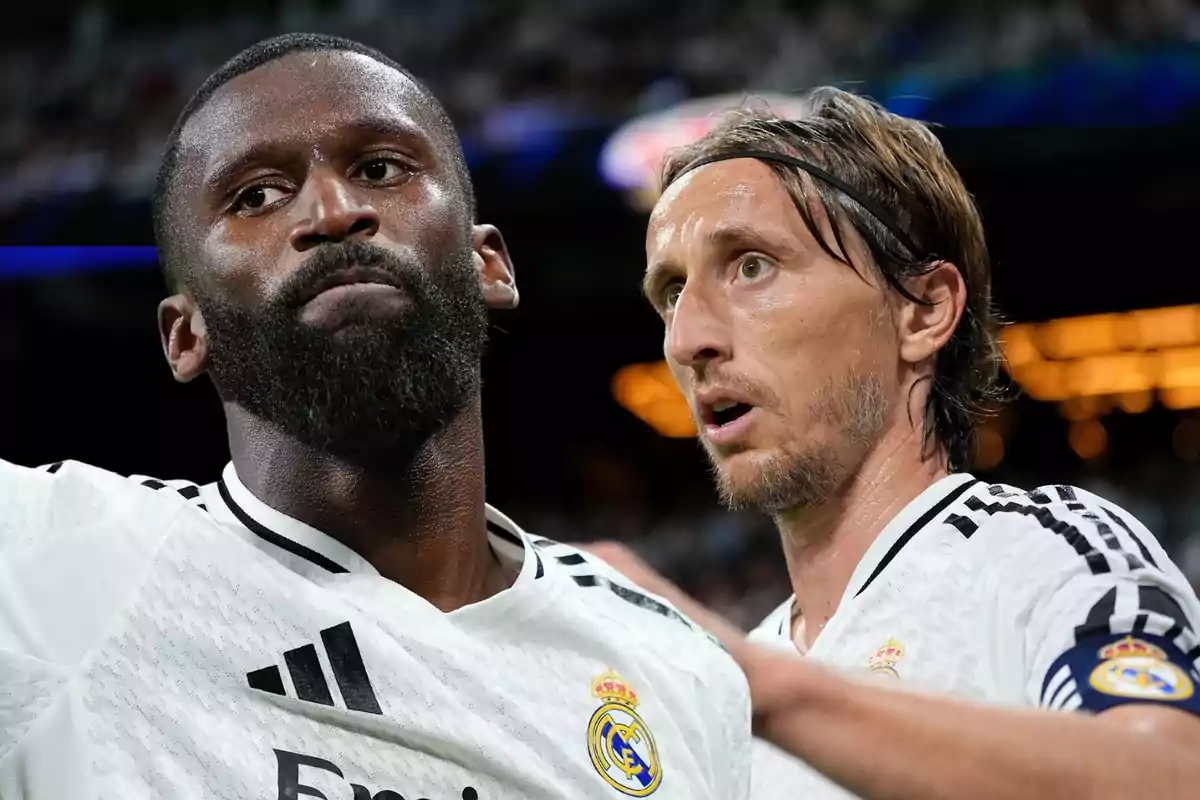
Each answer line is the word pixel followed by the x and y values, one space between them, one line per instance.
pixel 1088 439
pixel 1158 328
pixel 1088 365
pixel 1079 336
pixel 1128 358
pixel 1180 398
pixel 649 392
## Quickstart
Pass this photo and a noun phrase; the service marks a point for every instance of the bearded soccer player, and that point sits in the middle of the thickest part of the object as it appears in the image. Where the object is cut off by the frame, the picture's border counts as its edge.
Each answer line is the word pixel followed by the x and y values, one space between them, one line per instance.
pixel 341 614
pixel 824 284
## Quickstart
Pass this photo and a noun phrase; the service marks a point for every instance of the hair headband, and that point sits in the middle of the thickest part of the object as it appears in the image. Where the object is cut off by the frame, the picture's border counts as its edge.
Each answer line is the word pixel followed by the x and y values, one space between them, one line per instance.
pixel 884 218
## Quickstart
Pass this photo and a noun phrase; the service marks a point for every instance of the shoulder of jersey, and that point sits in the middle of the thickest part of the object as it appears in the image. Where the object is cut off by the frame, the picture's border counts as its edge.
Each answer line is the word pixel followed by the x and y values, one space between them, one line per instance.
pixel 628 601
pixel 1071 523
pixel 993 505
pixel 72 496
pixel 187 490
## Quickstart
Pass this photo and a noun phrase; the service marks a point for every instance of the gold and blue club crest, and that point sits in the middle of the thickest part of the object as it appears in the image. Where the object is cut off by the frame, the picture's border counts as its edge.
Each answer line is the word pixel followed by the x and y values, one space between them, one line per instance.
pixel 1135 668
pixel 621 746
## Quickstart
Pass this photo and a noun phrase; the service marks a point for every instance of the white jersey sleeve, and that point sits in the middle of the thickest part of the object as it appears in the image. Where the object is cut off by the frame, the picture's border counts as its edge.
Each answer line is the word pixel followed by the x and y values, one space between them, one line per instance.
pixel 61 584
pixel 31 678
pixel 1102 616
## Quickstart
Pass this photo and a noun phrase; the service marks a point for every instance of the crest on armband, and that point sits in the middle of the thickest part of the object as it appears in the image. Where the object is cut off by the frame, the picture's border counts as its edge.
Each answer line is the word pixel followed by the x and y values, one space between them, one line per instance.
pixel 1137 669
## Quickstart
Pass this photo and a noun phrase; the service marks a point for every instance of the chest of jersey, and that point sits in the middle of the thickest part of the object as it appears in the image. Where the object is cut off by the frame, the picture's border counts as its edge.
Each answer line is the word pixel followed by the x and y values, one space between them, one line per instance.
pixel 229 676
pixel 929 623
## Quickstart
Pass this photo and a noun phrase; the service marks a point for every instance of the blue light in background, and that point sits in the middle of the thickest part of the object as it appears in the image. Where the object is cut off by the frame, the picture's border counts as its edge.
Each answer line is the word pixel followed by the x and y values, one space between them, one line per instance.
pixel 41 262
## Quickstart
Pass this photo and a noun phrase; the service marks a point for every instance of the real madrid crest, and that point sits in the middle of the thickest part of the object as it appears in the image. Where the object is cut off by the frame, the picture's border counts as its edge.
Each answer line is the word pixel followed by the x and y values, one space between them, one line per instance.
pixel 1135 668
pixel 884 660
pixel 621 746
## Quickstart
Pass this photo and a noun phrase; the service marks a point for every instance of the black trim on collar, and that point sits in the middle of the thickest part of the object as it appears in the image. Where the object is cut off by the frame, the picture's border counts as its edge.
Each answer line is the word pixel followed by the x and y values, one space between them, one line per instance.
pixel 282 542
pixel 921 522
pixel 499 531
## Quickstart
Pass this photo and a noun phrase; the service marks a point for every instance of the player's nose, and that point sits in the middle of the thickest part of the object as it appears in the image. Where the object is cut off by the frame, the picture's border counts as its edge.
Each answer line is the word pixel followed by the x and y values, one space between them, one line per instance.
pixel 696 334
pixel 334 210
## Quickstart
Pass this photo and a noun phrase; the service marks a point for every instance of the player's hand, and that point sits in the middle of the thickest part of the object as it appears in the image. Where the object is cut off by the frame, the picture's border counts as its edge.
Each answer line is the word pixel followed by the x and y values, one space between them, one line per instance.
pixel 776 681
pixel 631 565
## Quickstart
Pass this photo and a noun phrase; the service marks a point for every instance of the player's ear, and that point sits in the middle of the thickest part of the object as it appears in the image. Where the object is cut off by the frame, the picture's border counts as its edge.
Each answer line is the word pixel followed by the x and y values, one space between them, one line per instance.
pixel 181 328
pixel 495 267
pixel 924 328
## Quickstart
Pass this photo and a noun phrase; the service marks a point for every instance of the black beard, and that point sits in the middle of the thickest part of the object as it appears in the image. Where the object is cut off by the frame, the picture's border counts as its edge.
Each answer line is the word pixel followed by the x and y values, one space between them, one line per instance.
pixel 371 390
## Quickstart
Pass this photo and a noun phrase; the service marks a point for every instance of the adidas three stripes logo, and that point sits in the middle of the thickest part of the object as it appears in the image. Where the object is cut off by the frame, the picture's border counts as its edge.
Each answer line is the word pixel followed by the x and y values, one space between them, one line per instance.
pixel 308 678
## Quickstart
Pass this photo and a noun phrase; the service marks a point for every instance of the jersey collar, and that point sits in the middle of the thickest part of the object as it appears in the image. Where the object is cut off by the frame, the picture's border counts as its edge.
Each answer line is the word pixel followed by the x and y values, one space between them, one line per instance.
pixel 911 520
pixel 776 629
pixel 320 550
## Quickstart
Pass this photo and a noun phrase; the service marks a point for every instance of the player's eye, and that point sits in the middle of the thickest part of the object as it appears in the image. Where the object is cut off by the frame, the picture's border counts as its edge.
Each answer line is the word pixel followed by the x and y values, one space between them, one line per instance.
pixel 257 198
pixel 383 171
pixel 752 267
pixel 669 294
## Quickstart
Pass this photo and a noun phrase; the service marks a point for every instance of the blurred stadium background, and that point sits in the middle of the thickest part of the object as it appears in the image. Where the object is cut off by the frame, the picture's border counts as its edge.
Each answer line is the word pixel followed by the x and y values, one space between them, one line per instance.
pixel 1074 123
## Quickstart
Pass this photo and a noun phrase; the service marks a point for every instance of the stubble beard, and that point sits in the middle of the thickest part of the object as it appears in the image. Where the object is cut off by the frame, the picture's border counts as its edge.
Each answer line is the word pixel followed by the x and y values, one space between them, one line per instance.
pixel 807 475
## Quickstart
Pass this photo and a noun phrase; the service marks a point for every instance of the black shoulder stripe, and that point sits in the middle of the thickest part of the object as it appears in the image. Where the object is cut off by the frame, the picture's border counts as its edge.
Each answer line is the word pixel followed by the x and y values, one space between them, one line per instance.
pixel 541 543
pixel 1110 538
pixel 630 596
pixel 186 492
pixel 571 559
pixel 966 526
pixel 1096 561
pixel 1071 499
pixel 1152 598
pixel 55 467
pixel 1099 618
pixel 541 568
pixel 1125 527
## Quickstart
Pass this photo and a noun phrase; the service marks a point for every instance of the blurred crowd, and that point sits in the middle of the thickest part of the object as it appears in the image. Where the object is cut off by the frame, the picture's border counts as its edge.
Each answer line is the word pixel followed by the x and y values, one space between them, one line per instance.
pixel 733 561
pixel 93 106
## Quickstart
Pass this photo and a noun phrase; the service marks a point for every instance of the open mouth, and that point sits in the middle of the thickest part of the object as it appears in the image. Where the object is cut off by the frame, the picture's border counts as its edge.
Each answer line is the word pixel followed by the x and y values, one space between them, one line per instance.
pixel 724 412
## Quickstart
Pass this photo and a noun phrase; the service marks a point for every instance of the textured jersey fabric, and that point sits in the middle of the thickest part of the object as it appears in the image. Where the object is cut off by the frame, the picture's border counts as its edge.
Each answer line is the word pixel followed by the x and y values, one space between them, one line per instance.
pixel 1052 598
pixel 163 639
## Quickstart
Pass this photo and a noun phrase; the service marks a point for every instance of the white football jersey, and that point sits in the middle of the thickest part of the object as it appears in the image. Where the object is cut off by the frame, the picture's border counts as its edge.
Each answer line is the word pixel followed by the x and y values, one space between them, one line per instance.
pixel 1052 598
pixel 162 639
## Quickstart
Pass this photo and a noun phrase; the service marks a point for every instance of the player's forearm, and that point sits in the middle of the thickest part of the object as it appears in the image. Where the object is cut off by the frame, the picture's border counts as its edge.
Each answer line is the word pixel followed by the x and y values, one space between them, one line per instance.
pixel 725 631
pixel 884 743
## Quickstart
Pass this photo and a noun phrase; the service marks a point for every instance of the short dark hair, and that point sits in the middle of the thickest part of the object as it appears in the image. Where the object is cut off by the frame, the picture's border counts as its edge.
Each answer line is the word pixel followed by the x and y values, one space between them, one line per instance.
pixel 898 165
pixel 252 58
